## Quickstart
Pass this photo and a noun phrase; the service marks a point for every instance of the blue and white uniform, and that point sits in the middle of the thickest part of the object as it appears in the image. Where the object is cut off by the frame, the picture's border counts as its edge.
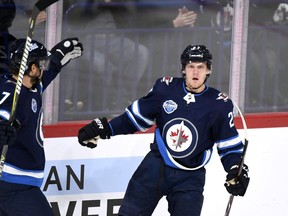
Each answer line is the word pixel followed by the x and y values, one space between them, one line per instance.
pixel 25 159
pixel 23 170
pixel 188 125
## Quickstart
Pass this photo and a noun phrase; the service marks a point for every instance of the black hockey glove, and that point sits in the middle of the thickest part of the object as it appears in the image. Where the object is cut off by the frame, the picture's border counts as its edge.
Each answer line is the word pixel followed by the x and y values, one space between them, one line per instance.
pixel 237 186
pixel 8 132
pixel 90 133
pixel 65 51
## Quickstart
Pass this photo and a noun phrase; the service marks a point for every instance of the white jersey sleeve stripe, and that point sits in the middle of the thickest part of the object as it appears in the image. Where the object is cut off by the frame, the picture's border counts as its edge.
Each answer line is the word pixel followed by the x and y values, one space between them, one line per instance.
pixel 136 112
pixel 222 144
pixel 138 126
pixel 14 171
pixel 4 114
pixel 231 152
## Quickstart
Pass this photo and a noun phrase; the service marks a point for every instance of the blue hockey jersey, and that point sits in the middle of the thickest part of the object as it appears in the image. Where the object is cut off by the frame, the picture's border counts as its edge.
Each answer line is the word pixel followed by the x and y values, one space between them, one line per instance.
pixel 25 159
pixel 187 125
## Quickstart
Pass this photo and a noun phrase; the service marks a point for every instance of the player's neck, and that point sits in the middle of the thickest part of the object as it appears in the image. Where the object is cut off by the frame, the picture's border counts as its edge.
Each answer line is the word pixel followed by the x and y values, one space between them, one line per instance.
pixel 196 90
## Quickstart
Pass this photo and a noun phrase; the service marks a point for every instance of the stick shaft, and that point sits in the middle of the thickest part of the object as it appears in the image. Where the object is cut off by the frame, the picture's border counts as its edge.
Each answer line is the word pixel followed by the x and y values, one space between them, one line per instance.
pixel 229 205
pixel 241 163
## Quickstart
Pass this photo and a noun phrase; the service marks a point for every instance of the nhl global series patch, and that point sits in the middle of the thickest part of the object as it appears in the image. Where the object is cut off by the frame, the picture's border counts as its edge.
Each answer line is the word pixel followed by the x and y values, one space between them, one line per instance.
pixel 169 106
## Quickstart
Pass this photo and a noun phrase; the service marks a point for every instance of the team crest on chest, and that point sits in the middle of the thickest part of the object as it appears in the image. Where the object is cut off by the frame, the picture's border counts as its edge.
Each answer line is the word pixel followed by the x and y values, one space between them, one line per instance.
pixel 34 105
pixel 181 137
pixel 169 106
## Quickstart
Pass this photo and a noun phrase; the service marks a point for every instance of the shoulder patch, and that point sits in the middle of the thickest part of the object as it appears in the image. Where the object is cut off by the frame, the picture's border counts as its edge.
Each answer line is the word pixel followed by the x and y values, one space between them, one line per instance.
pixel 222 96
pixel 167 80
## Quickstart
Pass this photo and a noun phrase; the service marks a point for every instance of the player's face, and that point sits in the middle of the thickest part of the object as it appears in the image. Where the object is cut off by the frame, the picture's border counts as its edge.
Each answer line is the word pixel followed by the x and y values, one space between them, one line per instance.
pixel 195 76
pixel 35 74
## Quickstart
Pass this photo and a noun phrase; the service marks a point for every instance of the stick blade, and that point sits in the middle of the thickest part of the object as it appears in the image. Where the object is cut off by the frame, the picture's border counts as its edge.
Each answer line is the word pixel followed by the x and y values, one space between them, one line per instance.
pixel 43 4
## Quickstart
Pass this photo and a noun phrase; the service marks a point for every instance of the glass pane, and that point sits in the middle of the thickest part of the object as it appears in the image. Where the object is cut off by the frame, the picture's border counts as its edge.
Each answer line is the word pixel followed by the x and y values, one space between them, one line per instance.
pixel 129 44
pixel 267 57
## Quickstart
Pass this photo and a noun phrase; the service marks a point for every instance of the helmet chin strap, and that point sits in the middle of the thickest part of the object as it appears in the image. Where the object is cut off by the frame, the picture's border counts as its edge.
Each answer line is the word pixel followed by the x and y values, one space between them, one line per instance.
pixel 207 76
pixel 190 89
pixel 194 90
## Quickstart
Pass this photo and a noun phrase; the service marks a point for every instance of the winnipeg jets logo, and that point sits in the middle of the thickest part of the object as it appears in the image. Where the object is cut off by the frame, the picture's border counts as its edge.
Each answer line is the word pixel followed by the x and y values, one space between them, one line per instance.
pixel 167 80
pixel 181 137
pixel 178 137
pixel 222 96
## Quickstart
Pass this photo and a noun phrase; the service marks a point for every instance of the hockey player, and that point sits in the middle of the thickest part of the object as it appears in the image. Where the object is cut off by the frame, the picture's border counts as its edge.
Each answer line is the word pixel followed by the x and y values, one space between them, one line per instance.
pixel 22 175
pixel 7 15
pixel 190 118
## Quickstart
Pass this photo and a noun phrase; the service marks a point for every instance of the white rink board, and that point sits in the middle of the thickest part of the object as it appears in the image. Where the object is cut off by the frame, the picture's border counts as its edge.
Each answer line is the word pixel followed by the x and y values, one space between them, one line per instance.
pixel 107 169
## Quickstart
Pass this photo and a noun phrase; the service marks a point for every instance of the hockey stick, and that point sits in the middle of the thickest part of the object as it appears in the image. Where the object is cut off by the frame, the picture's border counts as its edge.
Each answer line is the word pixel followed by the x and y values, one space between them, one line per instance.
pixel 241 163
pixel 39 6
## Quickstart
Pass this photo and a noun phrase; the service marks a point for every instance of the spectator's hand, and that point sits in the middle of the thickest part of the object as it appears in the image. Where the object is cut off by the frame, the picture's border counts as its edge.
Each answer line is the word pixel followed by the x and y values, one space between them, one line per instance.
pixel 184 18
pixel 237 186
pixel 8 132
pixel 66 50
pixel 281 14
pixel 89 134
